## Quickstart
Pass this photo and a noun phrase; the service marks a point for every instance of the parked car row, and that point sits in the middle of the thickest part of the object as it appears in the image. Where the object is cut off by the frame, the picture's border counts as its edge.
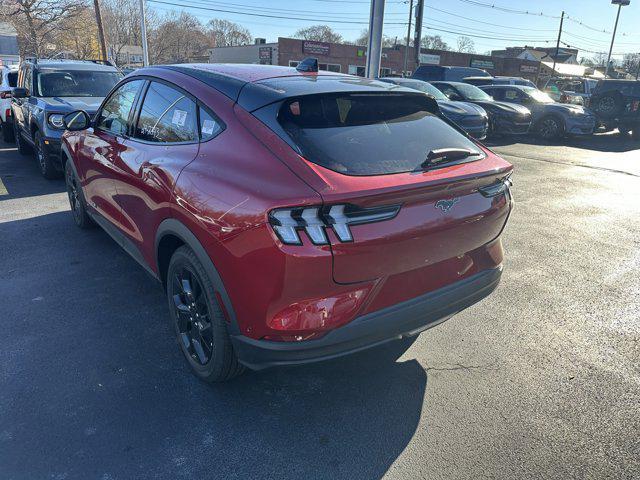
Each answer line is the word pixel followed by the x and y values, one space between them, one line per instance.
pixel 313 194
pixel 8 81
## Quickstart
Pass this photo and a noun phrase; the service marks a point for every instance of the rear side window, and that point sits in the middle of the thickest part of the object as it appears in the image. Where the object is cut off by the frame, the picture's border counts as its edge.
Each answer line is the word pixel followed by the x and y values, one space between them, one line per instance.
pixel 209 126
pixel 167 116
pixel 367 134
pixel 12 78
pixel 114 116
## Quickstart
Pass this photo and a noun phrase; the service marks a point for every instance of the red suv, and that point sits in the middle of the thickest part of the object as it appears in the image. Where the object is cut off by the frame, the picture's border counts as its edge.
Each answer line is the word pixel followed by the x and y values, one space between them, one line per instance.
pixel 290 216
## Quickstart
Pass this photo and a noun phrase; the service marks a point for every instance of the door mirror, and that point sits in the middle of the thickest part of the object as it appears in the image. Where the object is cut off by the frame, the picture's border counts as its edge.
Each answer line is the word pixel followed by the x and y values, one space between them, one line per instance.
pixel 20 92
pixel 78 120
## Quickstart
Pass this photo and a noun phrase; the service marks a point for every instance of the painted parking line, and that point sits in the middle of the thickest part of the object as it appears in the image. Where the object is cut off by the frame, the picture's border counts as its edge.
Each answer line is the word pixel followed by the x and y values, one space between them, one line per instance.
pixel 3 189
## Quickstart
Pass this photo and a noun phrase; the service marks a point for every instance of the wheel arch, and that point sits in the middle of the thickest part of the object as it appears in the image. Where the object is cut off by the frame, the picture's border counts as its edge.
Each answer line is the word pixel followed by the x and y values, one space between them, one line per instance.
pixel 172 234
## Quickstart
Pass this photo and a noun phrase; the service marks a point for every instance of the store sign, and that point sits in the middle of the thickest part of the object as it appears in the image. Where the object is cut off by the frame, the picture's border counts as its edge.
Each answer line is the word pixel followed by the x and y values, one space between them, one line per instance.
pixel 429 59
pixel 528 69
pixel 264 53
pixel 316 48
pixel 484 64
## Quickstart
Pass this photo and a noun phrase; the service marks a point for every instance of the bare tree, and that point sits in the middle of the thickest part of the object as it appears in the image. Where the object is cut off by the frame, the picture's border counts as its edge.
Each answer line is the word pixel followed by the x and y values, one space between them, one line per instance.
pixel 363 40
pixel 121 19
pixel 466 45
pixel 228 34
pixel 319 33
pixel 38 22
pixel 434 42
pixel 178 39
pixel 78 35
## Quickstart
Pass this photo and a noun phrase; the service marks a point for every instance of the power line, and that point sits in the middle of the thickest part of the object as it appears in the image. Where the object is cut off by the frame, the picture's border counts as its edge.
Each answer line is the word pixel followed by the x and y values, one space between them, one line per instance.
pixel 508 10
pixel 265 15
pixel 486 23
pixel 484 36
pixel 475 30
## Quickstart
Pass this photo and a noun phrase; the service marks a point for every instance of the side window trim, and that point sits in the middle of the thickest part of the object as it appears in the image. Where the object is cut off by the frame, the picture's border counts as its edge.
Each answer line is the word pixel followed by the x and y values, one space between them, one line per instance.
pixel 134 114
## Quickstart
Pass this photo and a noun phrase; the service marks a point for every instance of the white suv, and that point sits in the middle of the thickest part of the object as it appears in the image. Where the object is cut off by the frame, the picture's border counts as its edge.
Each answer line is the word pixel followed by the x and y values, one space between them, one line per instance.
pixel 8 79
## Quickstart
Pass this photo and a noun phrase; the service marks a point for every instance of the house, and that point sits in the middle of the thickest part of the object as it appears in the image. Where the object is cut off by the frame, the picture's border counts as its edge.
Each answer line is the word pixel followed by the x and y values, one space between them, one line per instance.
pixel 540 54
pixel 9 53
pixel 127 55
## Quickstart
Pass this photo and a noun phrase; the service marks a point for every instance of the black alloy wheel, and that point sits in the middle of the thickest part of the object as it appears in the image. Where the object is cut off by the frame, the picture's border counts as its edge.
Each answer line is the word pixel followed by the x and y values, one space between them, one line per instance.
pixel 199 323
pixel 549 128
pixel 192 314
pixel 47 168
pixel 76 200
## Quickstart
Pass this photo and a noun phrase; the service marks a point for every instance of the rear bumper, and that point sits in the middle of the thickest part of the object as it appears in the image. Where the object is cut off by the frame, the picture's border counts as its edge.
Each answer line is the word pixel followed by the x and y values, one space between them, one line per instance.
pixel 401 320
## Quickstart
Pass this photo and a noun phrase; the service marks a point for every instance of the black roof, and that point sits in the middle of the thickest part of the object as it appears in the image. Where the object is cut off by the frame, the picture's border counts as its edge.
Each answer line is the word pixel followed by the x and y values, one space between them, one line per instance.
pixel 254 86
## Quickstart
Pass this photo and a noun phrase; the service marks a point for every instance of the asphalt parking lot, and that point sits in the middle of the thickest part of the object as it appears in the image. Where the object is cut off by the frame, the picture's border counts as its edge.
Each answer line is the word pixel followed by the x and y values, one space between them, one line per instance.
pixel 540 380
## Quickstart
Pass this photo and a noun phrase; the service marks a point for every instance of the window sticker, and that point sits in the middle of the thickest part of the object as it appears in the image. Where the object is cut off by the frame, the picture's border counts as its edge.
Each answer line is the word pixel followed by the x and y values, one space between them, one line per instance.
pixel 208 126
pixel 179 117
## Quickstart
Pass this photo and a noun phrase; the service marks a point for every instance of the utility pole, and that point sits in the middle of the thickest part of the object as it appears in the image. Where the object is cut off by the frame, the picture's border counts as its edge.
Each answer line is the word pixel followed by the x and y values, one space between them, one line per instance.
pixel 406 48
pixel 374 49
pixel 417 39
pixel 143 31
pixel 103 44
pixel 620 4
pixel 558 44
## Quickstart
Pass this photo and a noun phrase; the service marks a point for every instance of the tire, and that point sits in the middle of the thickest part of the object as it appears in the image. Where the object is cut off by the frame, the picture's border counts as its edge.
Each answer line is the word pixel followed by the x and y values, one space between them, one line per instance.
pixel 23 147
pixel 608 105
pixel 47 168
pixel 7 132
pixel 76 198
pixel 550 127
pixel 206 345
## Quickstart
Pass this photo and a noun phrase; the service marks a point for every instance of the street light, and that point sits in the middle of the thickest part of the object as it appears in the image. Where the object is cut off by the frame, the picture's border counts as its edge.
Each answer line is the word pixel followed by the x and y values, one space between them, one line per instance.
pixel 620 3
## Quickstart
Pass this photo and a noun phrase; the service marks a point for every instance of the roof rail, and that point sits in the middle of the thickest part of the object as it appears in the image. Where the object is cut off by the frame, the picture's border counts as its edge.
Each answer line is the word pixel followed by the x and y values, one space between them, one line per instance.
pixel 101 62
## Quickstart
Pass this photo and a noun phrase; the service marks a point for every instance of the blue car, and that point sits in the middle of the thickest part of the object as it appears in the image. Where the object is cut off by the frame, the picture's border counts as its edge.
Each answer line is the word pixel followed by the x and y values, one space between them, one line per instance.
pixel 473 119
pixel 550 119
pixel 46 91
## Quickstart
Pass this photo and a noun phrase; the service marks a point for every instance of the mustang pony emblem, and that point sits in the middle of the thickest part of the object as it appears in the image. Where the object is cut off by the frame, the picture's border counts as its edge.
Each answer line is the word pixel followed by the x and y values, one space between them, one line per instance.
pixel 446 205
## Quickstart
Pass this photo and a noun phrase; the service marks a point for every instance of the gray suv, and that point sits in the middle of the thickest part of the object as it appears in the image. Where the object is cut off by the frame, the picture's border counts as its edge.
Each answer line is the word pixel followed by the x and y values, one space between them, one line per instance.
pixel 45 92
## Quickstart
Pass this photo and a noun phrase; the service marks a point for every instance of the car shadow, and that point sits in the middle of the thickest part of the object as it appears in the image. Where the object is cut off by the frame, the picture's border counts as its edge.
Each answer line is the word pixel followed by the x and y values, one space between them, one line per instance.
pixel 22 178
pixel 93 380
pixel 602 142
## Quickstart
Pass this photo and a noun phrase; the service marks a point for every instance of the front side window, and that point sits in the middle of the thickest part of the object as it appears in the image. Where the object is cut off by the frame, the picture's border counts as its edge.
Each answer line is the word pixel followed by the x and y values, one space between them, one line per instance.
pixel 368 134
pixel 473 93
pixel 167 116
pixel 114 116
pixel 537 95
pixel 511 95
pixel 75 83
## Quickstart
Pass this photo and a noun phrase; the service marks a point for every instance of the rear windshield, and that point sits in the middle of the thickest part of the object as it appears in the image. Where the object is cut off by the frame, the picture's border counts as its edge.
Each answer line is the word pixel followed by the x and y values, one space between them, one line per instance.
pixel 368 134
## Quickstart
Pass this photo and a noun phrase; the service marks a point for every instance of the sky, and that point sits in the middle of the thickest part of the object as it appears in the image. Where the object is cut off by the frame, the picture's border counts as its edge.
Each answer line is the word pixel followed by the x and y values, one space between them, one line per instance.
pixel 588 24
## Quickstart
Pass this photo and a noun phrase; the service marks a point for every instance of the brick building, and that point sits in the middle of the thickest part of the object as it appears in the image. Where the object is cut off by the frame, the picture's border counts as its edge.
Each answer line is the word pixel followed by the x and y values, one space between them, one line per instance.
pixel 344 58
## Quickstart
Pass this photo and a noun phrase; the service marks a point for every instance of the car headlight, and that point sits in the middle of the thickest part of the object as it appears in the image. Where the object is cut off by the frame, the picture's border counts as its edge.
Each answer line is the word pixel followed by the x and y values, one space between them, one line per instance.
pixel 55 120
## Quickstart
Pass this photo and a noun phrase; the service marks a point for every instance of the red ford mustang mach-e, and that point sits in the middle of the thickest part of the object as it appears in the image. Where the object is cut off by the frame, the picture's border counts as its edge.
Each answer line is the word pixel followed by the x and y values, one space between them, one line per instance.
pixel 290 216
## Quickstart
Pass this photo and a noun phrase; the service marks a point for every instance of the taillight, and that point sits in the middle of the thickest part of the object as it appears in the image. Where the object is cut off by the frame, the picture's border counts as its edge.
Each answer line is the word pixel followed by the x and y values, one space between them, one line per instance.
pixel 287 223
pixel 7 114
